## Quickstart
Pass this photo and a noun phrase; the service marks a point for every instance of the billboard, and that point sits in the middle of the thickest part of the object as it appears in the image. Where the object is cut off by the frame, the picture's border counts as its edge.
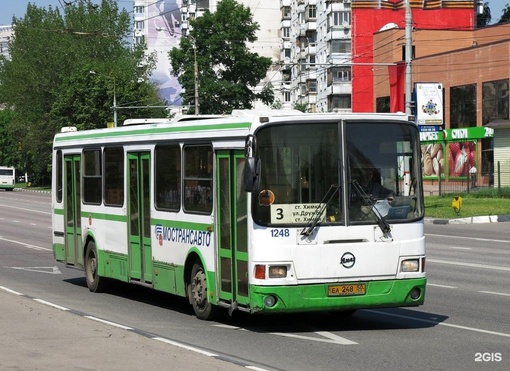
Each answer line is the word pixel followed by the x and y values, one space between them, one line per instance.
pixel 164 33
pixel 429 103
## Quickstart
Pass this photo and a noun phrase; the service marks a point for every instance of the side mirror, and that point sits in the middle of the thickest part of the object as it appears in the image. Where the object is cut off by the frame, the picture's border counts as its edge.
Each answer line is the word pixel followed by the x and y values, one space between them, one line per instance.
pixel 251 174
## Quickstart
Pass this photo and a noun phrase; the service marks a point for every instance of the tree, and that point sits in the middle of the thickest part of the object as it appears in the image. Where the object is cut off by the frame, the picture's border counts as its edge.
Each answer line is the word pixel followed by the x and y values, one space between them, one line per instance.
pixel 227 71
pixel 506 14
pixel 485 18
pixel 47 80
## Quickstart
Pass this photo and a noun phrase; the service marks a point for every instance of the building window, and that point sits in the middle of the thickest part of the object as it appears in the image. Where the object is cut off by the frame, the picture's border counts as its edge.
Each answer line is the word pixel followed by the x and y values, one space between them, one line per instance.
pixel 340 102
pixel 286 32
pixel 139 9
pixel 339 19
pixel 340 46
pixel 286 96
pixel 139 25
pixel 286 12
pixel 463 106
pixel 342 74
pixel 311 86
pixel 286 53
pixel 312 12
pixel 495 101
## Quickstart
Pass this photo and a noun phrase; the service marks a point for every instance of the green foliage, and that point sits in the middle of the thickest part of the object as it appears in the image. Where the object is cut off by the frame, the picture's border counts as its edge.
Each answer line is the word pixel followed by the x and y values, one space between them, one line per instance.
pixel 486 201
pixel 506 14
pixel 485 18
pixel 227 71
pixel 300 107
pixel 48 80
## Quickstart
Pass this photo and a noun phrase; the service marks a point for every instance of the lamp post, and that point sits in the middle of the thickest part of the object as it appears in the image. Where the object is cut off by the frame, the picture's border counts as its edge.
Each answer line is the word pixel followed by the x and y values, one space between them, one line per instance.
pixel 114 107
pixel 195 71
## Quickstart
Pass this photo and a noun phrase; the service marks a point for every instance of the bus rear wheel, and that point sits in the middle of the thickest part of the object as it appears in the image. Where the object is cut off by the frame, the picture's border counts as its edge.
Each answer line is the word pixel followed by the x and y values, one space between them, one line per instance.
pixel 197 292
pixel 95 283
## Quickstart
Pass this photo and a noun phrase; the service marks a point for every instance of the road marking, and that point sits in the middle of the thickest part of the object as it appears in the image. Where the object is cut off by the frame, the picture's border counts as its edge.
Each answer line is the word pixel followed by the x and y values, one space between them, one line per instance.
pixel 180 345
pixel 473 265
pixel 441 323
pixel 109 323
pixel 34 247
pixel 50 270
pixel 494 293
pixel 443 286
pixel 11 291
pixel 51 304
pixel 466 238
pixel 331 338
pixel 459 248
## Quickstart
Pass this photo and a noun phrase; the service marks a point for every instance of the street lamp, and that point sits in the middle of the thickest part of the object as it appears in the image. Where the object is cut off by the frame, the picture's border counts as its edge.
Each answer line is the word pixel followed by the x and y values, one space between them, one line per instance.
pixel 195 71
pixel 114 107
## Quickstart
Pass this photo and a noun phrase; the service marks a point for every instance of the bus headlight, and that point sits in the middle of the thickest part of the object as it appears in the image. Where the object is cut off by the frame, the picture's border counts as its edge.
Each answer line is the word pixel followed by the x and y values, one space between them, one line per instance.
pixel 411 265
pixel 277 271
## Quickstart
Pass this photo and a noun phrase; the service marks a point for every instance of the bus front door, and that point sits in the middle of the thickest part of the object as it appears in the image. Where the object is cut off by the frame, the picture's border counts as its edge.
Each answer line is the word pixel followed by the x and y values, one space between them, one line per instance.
pixel 232 229
pixel 140 252
pixel 72 211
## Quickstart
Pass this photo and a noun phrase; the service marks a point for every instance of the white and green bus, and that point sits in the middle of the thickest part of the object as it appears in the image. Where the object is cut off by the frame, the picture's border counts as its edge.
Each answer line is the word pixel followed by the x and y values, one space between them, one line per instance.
pixel 257 212
pixel 7 178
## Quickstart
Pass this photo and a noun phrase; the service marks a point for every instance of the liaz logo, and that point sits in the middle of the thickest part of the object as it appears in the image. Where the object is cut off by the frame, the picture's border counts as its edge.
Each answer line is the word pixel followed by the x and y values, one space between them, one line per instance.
pixel 348 260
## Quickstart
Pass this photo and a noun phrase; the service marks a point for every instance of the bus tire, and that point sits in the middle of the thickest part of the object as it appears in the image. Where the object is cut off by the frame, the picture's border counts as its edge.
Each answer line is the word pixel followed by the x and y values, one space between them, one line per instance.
pixel 95 283
pixel 197 292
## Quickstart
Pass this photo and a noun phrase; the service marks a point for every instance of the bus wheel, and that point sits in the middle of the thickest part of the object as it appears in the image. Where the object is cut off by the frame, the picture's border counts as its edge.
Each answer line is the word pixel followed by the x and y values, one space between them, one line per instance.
pixel 95 283
pixel 197 291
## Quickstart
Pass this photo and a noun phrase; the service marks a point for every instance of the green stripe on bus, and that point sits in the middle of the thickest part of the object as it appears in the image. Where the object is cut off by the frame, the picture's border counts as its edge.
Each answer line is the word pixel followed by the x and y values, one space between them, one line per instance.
pixel 108 133
pixel 104 216
pixel 58 211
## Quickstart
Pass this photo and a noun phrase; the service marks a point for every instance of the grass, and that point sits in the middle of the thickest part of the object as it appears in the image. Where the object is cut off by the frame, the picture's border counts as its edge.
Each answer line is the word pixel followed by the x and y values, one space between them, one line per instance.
pixel 486 201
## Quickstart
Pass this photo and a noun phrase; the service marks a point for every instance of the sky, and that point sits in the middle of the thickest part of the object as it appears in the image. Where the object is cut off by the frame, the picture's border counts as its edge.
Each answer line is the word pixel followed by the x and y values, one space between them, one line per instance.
pixel 8 8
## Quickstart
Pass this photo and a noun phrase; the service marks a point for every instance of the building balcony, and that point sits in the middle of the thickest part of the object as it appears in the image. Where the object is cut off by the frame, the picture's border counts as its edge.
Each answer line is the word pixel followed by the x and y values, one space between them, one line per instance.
pixel 340 88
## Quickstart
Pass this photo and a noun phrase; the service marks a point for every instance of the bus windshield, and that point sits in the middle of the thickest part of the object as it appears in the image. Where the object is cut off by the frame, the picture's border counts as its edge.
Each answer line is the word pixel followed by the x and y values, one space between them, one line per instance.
pixel 311 171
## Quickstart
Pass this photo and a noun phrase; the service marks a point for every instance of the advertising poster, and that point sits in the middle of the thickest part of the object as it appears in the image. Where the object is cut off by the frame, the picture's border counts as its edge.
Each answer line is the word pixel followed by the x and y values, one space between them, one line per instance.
pixel 163 34
pixel 429 103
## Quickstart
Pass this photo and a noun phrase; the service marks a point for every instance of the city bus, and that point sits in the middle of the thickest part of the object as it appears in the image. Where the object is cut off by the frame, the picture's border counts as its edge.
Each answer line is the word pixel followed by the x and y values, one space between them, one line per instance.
pixel 260 212
pixel 7 178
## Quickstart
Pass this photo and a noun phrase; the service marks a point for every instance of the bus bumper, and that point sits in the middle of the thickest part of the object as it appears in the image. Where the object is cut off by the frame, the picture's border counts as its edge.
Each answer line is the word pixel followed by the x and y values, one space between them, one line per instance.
pixel 314 297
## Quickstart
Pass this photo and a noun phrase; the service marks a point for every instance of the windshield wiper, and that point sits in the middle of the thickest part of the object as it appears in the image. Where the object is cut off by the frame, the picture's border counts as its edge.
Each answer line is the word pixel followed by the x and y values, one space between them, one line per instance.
pixel 367 200
pixel 316 216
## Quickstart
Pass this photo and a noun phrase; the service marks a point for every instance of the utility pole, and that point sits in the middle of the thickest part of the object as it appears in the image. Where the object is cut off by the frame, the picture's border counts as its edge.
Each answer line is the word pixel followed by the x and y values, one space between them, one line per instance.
pixel 197 105
pixel 409 57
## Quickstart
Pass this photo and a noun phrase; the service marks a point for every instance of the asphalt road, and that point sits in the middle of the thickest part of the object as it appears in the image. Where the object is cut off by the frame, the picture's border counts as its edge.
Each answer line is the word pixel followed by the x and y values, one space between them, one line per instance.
pixel 462 326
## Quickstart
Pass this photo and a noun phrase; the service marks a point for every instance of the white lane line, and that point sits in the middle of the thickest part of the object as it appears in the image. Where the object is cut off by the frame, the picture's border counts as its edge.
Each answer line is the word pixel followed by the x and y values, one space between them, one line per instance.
pixel 442 323
pixel 473 265
pixel 34 247
pixel 50 304
pixel 177 344
pixel 494 293
pixel 11 291
pixel 108 323
pixel 330 340
pixel 459 248
pixel 443 286
pixel 466 238
pixel 336 338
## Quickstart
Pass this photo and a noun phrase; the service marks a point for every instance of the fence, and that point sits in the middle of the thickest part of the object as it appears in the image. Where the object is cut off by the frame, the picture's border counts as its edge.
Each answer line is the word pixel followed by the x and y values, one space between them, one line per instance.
pixel 499 177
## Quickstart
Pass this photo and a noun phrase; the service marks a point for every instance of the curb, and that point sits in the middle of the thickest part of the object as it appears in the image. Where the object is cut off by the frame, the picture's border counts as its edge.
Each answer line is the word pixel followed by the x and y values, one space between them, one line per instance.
pixel 471 220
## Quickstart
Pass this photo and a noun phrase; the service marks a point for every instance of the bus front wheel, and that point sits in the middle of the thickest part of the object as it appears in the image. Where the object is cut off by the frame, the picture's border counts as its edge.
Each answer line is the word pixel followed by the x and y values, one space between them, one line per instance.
pixel 95 283
pixel 197 292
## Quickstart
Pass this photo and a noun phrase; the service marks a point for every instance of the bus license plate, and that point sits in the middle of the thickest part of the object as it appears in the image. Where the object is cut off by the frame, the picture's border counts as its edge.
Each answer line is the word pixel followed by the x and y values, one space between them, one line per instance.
pixel 347 290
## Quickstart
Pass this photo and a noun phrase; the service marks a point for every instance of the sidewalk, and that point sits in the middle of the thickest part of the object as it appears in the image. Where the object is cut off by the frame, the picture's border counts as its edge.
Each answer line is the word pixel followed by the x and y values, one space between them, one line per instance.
pixel 36 336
